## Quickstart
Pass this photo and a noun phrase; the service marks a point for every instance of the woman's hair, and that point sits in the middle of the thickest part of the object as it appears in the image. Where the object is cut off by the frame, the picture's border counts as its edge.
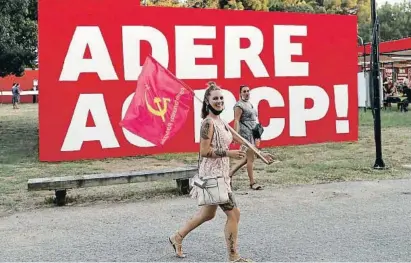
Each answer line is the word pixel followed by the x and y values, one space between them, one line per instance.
pixel 211 85
pixel 241 87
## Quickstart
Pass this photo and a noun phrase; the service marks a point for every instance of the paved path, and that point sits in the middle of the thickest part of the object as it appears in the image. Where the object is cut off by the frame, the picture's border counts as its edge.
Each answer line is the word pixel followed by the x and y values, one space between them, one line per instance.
pixel 356 221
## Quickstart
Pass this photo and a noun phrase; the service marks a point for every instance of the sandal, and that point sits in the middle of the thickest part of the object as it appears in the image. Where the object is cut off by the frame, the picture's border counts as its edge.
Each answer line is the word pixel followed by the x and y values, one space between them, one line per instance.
pixel 256 186
pixel 241 259
pixel 178 247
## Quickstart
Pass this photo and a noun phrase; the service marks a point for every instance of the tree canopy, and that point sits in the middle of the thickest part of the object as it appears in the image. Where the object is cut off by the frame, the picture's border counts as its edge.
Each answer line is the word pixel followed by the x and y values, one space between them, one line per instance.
pixel 18 36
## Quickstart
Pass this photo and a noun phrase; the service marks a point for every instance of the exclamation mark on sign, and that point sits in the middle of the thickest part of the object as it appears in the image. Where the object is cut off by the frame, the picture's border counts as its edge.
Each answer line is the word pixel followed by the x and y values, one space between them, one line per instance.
pixel 341 107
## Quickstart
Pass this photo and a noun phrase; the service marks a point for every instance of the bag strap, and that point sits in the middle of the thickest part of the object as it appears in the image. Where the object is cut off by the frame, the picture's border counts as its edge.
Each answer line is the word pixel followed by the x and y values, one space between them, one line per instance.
pixel 217 139
pixel 217 134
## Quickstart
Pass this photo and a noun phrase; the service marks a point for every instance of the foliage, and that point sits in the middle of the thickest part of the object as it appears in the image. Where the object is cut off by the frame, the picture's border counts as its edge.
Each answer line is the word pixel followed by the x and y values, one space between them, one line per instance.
pixel 18 36
pixel 395 20
pixel 214 4
pixel 258 5
pixel 165 3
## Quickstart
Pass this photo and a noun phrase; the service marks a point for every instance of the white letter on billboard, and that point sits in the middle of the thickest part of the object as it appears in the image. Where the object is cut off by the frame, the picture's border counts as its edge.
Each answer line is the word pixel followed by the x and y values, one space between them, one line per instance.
pixel 234 54
pixel 100 61
pixel 274 99
pixel 227 115
pixel 78 132
pixel 299 115
pixel 187 52
pixel 131 138
pixel 284 49
pixel 132 37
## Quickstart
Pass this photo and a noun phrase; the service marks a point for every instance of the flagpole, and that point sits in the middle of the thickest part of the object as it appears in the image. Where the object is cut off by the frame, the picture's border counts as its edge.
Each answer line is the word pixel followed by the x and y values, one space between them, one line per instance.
pixel 249 145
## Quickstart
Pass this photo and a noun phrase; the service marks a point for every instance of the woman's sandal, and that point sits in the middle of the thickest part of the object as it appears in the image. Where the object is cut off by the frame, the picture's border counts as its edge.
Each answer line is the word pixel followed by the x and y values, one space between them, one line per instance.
pixel 241 259
pixel 256 186
pixel 178 247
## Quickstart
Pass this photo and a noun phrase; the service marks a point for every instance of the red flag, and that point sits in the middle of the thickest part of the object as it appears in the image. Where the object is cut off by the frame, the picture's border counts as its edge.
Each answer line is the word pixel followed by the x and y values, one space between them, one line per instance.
pixel 160 104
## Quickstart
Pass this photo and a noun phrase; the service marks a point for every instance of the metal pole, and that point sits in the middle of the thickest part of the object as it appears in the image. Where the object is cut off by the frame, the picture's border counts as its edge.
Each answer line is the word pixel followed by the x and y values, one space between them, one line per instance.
pixel 363 65
pixel 379 163
pixel 363 45
pixel 365 69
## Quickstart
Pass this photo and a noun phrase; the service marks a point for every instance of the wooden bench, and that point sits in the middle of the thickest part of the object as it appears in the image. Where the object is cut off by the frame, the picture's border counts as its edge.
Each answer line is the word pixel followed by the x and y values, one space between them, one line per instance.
pixel 60 185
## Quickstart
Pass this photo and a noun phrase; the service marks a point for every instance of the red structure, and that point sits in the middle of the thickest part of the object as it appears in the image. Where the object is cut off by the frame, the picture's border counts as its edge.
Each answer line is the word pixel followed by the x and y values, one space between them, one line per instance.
pixel 395 58
pixel 393 47
pixel 26 84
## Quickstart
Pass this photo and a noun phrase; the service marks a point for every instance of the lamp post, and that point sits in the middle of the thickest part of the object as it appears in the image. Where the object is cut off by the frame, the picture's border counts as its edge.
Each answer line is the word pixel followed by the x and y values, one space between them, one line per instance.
pixel 379 163
pixel 363 66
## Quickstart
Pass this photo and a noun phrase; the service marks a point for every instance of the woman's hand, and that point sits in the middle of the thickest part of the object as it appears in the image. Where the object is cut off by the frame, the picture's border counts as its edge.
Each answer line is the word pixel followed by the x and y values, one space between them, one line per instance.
pixel 268 156
pixel 236 154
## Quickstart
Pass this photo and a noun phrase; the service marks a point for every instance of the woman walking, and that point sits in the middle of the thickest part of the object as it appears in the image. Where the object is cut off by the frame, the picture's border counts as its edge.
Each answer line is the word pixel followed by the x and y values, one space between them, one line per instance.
pixel 245 120
pixel 214 160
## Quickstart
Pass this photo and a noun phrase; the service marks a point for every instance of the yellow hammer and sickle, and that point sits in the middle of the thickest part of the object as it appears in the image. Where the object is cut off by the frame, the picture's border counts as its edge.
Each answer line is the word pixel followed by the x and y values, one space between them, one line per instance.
pixel 161 109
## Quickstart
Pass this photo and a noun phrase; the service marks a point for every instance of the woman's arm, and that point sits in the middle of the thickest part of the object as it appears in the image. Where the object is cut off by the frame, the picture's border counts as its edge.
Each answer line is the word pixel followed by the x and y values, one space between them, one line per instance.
pixel 237 116
pixel 236 138
pixel 206 136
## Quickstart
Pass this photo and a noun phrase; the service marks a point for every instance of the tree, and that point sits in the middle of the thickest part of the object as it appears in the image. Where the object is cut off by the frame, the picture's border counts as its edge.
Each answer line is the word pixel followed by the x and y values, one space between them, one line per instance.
pixel 231 4
pixel 292 6
pixel 395 21
pixel 257 5
pixel 364 20
pixel 165 3
pixel 18 36
pixel 214 4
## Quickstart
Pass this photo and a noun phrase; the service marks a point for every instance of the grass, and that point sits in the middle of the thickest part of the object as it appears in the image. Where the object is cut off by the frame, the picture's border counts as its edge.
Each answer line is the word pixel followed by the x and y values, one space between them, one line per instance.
pixel 308 164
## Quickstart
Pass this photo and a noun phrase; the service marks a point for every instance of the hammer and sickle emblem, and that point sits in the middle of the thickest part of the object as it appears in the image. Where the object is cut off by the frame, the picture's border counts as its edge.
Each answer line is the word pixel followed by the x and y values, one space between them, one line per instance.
pixel 161 107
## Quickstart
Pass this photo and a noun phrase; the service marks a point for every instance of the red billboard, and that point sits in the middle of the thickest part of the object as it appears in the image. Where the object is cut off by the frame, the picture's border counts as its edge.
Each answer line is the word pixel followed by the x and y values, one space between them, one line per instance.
pixel 301 69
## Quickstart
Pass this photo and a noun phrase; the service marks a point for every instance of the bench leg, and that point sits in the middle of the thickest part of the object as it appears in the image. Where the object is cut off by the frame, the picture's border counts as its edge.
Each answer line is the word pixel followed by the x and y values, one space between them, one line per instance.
pixel 183 186
pixel 61 197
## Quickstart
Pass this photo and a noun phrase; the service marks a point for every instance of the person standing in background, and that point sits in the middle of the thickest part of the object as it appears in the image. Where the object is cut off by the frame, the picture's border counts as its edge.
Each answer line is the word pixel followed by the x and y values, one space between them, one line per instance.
pixel 35 97
pixel 245 120
pixel 15 99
